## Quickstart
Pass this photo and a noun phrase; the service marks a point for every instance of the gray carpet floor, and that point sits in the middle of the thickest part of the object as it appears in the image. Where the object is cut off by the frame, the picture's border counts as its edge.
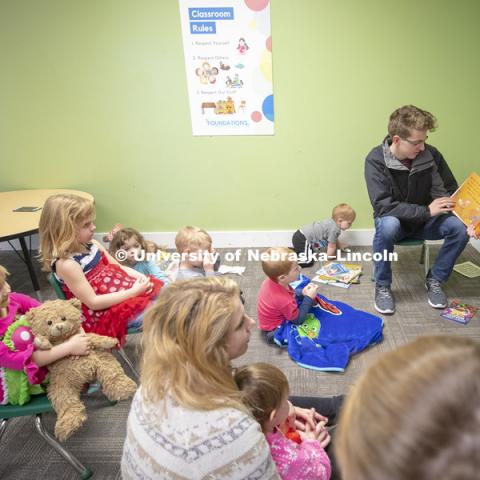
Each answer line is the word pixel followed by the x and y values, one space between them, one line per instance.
pixel 24 455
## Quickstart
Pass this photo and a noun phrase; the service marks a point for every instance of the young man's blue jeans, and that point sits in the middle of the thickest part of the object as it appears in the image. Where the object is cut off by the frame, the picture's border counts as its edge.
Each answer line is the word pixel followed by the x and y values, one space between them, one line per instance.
pixel 388 231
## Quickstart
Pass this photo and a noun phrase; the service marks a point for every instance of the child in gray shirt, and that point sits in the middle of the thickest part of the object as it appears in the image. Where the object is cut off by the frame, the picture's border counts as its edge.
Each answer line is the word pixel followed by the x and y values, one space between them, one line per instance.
pixel 323 234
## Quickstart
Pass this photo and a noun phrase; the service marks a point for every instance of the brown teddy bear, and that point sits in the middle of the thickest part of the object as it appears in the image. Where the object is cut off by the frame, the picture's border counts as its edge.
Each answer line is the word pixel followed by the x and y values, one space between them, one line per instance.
pixel 54 322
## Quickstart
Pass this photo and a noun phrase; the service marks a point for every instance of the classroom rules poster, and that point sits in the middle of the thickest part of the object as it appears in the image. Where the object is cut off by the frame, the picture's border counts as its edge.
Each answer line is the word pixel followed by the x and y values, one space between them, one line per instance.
pixel 228 62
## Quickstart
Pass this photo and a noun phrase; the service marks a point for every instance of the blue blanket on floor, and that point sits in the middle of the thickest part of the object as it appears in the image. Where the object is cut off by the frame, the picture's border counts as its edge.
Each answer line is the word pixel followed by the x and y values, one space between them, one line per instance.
pixel 329 335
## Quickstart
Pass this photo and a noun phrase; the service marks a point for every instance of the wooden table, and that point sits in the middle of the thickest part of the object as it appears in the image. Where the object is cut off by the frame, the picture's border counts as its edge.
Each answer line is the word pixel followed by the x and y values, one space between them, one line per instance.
pixel 18 225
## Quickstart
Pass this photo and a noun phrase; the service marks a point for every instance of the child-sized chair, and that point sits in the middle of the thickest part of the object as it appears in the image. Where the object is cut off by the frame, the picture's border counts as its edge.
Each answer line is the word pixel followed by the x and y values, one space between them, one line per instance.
pixel 38 405
pixel 424 254
pixel 131 331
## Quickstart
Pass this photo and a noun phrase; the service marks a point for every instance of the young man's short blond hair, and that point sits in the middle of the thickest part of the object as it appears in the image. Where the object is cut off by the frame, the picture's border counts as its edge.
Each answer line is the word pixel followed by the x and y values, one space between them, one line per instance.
pixel 343 211
pixel 192 238
pixel 409 117
pixel 277 261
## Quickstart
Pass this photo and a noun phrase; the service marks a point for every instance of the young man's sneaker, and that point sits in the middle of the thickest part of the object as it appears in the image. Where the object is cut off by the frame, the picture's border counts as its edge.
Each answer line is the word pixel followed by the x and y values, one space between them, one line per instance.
pixel 436 296
pixel 384 301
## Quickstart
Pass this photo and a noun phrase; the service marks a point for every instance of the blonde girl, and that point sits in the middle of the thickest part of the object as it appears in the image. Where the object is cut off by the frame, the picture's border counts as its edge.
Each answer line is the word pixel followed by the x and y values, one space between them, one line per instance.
pixel 112 296
pixel 265 392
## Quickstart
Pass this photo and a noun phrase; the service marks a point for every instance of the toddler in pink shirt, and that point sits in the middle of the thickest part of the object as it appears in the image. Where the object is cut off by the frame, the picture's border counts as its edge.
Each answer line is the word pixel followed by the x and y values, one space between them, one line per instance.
pixel 265 392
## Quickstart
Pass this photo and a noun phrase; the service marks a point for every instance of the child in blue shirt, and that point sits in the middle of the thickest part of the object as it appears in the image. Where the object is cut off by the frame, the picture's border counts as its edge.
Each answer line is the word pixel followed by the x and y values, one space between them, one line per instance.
pixel 128 246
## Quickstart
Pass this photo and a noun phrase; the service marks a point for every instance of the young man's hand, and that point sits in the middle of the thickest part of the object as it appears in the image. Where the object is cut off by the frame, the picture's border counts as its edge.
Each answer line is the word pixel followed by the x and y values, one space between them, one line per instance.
pixel 441 205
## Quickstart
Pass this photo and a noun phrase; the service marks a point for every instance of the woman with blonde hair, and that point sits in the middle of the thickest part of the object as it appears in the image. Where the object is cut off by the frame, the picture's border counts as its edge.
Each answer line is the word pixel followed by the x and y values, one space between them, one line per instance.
pixel 415 414
pixel 188 420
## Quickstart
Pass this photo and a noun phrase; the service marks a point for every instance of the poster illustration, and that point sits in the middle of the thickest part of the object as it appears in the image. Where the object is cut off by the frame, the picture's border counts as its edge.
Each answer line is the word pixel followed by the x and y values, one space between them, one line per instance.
pixel 228 62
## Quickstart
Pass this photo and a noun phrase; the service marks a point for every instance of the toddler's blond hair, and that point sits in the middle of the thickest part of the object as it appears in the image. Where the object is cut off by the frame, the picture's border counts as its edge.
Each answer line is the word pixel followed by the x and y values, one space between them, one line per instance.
pixel 192 238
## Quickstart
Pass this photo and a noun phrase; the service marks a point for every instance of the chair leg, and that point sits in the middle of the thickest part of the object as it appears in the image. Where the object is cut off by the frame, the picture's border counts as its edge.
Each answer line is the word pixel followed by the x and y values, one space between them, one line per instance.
pixel 122 353
pixel 79 467
pixel 3 426
pixel 426 246
pixel 425 257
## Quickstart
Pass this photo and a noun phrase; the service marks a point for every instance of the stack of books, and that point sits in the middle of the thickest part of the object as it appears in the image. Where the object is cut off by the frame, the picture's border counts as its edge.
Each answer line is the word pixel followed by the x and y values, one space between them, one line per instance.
pixel 339 274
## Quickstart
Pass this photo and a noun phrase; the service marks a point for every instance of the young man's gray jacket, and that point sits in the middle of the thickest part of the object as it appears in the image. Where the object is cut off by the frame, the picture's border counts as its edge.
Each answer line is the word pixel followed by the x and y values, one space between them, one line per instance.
pixel 396 191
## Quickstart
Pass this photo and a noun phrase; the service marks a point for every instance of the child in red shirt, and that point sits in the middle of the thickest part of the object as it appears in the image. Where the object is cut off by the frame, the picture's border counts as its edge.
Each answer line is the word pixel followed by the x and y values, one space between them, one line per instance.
pixel 276 299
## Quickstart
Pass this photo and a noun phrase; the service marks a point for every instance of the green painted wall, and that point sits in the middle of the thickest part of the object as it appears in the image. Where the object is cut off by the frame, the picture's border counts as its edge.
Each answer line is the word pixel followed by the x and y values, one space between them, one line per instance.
pixel 93 96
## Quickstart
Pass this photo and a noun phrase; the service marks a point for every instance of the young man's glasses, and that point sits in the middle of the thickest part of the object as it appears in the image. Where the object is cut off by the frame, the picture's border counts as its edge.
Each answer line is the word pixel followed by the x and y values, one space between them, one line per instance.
pixel 415 143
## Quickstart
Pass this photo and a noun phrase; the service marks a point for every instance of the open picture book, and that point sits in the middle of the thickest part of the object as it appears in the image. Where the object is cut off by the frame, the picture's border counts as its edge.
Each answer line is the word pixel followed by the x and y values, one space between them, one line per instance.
pixel 467 207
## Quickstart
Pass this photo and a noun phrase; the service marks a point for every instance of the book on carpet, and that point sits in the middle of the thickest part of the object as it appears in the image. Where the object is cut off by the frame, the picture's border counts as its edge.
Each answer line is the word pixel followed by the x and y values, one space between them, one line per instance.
pixel 459 312
pixel 329 281
pixel 468 269
pixel 335 273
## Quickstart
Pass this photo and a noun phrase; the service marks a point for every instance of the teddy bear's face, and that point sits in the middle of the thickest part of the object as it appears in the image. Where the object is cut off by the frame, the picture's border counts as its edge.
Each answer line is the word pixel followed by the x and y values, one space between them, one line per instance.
pixel 56 320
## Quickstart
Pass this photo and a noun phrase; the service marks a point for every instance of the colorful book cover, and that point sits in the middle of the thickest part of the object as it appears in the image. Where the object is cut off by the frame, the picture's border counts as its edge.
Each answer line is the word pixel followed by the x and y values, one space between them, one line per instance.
pixel 328 281
pixel 335 269
pixel 459 312
pixel 348 273
pixel 467 207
